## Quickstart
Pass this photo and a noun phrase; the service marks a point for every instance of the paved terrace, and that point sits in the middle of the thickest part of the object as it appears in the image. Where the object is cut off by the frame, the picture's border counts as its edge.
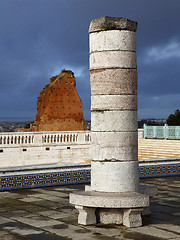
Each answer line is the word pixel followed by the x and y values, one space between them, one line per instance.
pixel 155 149
pixel 45 214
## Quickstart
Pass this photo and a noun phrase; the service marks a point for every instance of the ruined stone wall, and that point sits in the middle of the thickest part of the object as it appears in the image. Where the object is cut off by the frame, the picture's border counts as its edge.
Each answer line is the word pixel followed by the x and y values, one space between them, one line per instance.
pixel 59 107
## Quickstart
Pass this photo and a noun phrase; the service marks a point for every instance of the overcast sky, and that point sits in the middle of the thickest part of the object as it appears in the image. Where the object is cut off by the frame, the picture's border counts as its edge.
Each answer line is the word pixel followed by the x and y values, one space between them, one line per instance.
pixel 39 38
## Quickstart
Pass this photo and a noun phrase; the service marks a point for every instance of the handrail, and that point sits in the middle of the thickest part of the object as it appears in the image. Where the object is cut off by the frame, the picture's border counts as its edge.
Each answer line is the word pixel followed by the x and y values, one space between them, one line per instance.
pixel 162 132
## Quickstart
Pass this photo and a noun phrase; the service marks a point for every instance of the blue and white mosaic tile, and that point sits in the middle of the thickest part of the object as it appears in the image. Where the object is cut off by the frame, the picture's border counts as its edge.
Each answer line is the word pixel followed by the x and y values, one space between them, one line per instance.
pixel 159 170
pixel 73 175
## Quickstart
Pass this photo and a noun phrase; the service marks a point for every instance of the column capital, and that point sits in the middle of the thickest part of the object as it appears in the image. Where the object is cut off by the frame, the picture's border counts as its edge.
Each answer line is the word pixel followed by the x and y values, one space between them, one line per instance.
pixel 112 23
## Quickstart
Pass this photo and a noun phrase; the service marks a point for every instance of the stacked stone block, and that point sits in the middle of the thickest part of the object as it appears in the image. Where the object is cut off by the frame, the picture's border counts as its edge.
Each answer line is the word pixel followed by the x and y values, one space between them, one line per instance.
pixel 113 76
pixel 113 196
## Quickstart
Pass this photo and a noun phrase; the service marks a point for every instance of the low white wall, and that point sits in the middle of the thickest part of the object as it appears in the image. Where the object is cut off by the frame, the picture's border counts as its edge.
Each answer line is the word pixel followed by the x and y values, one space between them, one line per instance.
pixel 26 149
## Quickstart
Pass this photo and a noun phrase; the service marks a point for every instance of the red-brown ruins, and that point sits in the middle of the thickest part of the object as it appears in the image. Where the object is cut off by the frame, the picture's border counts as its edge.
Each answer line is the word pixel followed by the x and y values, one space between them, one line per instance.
pixel 59 107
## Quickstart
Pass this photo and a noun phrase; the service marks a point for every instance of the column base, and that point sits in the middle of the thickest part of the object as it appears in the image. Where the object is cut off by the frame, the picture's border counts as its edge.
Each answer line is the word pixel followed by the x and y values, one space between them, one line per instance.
pixel 110 208
pixel 149 190
pixel 86 215
pixel 132 217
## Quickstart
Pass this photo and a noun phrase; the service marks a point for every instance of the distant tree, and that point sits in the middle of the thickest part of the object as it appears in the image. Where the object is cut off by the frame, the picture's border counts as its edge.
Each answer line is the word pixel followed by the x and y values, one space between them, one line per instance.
pixel 174 119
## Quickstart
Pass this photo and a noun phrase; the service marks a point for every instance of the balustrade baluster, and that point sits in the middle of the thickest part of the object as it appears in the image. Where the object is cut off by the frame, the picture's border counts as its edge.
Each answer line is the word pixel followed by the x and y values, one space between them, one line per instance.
pixel 23 138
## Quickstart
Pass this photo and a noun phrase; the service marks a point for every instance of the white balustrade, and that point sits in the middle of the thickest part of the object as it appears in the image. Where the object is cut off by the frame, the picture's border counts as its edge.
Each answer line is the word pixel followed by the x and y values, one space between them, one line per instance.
pixel 60 137
pixel 39 138
pixel 16 139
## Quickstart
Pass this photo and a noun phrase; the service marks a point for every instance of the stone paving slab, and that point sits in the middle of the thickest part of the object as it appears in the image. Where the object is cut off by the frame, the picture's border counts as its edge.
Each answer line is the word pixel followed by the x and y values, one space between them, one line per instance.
pixel 4 220
pixel 49 219
pixel 52 214
pixel 155 231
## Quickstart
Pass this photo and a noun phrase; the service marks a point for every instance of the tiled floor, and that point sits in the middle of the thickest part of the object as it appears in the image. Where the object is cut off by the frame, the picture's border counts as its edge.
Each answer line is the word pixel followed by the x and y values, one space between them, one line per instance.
pixel 45 214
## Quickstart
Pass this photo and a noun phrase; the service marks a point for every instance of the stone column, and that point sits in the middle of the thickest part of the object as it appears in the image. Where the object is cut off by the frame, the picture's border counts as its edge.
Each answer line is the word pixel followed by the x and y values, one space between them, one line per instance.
pixel 113 196
pixel 113 76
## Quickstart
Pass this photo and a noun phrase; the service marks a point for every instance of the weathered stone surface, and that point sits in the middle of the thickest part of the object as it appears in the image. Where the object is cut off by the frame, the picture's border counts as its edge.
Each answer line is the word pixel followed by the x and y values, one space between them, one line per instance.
pixel 112 176
pixel 112 59
pixel 113 81
pixel 114 208
pixel 86 215
pixel 109 216
pixel 115 139
pixel 113 102
pixel 110 121
pixel 149 190
pixel 109 200
pixel 59 107
pixel 114 153
pixel 132 217
pixel 116 40
pixel 114 146
pixel 112 23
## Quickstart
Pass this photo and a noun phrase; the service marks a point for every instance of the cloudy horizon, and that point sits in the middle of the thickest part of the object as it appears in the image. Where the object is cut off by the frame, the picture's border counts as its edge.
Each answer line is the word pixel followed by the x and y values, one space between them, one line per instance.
pixel 39 38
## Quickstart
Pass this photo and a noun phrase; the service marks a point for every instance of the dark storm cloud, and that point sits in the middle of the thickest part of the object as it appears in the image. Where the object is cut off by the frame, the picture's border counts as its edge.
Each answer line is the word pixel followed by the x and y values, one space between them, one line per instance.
pixel 39 38
pixel 158 79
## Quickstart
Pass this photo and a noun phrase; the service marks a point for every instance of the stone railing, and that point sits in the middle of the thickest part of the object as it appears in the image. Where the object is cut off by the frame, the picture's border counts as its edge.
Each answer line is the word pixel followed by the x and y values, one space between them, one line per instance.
pixel 16 138
pixel 37 138
pixel 13 139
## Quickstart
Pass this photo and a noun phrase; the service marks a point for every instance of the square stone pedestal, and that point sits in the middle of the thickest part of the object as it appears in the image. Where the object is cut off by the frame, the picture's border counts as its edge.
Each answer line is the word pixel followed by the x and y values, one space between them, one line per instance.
pixel 110 208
